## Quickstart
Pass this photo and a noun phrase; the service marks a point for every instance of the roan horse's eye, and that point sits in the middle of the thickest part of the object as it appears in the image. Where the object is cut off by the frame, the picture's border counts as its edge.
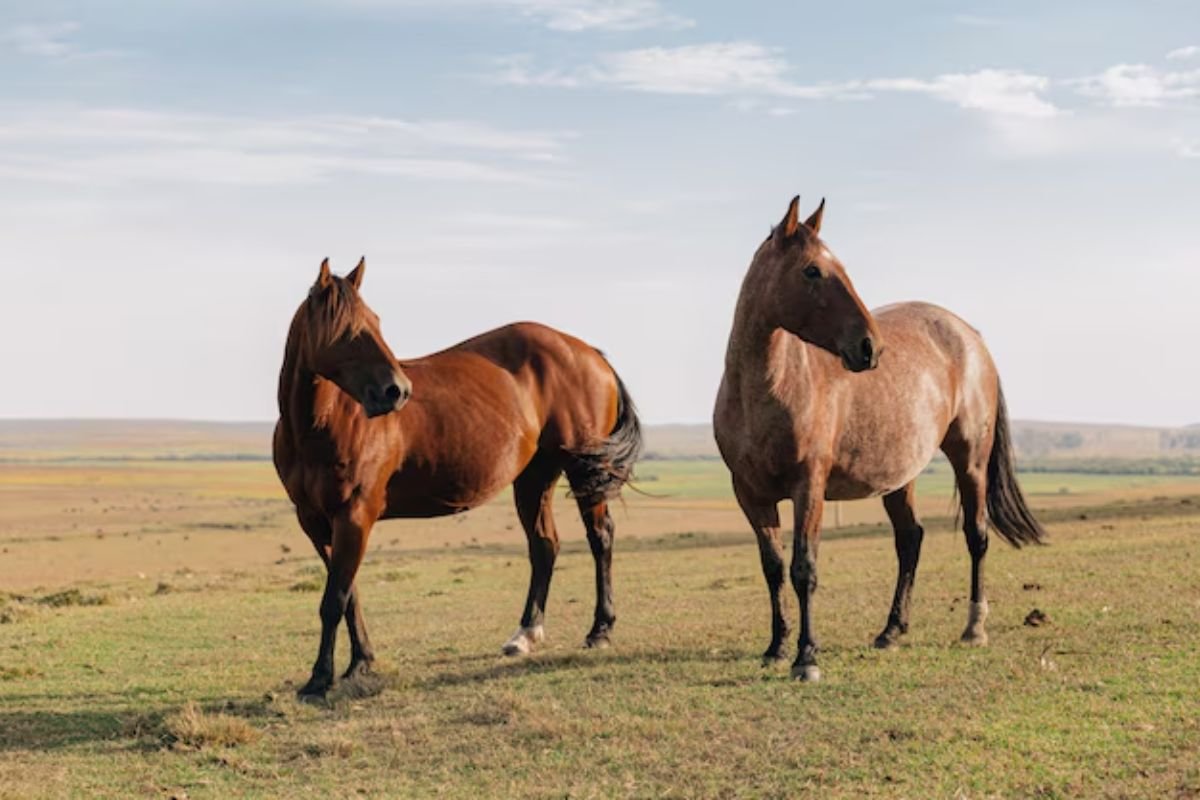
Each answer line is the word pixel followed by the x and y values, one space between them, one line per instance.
pixel 812 271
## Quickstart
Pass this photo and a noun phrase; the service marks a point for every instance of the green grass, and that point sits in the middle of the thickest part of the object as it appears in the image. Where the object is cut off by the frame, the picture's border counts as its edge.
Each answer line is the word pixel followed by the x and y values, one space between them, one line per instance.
pixel 191 691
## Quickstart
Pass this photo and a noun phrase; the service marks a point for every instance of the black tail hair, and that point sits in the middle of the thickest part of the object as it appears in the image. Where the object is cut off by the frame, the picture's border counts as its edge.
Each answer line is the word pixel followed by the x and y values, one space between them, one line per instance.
pixel 1006 507
pixel 598 471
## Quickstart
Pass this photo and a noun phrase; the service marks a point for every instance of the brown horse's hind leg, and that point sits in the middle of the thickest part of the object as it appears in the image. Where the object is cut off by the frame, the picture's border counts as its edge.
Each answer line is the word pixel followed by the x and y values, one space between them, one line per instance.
pixel 908 533
pixel 809 506
pixel 764 519
pixel 533 493
pixel 600 531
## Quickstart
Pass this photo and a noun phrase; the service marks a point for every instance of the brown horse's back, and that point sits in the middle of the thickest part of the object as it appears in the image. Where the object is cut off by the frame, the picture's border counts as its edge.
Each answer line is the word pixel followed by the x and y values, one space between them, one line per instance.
pixel 482 409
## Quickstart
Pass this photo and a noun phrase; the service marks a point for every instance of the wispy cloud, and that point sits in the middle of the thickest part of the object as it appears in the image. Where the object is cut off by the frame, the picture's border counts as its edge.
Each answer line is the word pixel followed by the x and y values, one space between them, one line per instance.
pixel 129 145
pixel 996 91
pixel 1184 53
pixel 1134 85
pixel 977 21
pixel 561 15
pixel 55 40
pixel 743 69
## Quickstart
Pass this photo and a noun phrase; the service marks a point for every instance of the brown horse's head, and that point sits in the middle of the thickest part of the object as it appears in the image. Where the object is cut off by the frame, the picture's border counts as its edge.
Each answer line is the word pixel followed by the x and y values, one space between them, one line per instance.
pixel 808 293
pixel 341 342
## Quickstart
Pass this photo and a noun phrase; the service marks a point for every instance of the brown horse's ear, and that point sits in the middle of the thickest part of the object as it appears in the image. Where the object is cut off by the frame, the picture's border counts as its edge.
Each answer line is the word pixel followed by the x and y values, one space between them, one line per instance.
pixel 791 220
pixel 356 275
pixel 324 277
pixel 814 222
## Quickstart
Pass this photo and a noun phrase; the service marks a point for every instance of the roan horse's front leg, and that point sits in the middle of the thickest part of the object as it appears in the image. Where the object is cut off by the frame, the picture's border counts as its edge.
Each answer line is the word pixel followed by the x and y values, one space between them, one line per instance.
pixel 763 517
pixel 809 504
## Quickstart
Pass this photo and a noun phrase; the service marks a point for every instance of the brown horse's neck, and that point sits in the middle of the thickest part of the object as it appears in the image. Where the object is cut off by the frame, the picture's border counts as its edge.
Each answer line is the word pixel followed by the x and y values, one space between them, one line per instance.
pixel 297 387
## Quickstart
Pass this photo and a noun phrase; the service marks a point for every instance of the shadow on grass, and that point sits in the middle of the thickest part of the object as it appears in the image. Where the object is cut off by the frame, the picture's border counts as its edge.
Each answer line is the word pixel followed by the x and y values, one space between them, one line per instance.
pixel 549 663
pixel 129 730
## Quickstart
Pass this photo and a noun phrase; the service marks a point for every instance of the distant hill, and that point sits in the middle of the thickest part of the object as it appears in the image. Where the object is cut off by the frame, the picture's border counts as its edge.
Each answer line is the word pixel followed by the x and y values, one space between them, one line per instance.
pixel 22 440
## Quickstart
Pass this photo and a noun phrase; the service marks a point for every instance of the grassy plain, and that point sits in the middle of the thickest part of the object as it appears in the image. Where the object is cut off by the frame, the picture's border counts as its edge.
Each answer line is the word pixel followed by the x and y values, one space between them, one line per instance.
pixel 156 617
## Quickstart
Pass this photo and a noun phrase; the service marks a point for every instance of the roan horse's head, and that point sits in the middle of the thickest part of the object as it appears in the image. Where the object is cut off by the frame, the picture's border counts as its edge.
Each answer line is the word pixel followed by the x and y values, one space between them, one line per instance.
pixel 342 343
pixel 808 293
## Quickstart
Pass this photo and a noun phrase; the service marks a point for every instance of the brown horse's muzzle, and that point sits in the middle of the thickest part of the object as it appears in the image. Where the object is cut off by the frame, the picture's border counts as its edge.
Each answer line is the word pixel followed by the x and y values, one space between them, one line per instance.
pixel 387 395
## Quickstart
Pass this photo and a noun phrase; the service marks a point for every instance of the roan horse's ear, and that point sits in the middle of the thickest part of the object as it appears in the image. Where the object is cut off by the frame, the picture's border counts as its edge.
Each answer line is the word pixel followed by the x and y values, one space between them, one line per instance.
pixel 814 222
pixel 356 275
pixel 791 220
pixel 324 277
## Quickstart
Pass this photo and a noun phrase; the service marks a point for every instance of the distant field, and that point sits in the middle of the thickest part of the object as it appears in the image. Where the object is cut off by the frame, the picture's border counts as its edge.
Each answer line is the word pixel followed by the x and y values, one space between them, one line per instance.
pixel 157 613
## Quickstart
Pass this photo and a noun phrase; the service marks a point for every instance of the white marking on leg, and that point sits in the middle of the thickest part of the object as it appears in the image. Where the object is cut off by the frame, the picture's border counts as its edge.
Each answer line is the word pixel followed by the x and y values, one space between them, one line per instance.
pixel 524 640
pixel 976 614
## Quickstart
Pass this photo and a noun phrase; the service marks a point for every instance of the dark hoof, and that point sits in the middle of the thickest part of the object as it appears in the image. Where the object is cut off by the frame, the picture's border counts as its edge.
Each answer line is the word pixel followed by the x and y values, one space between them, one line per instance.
pixel 357 669
pixel 773 655
pixel 597 642
pixel 887 641
pixel 315 690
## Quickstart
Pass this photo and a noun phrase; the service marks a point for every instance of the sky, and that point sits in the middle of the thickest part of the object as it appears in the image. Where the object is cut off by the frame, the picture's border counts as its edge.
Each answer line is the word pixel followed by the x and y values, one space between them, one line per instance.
pixel 172 174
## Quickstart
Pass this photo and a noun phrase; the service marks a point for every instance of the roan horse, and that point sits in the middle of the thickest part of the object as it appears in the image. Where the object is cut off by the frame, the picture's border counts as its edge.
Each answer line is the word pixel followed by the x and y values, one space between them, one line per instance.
pixel 811 409
pixel 362 436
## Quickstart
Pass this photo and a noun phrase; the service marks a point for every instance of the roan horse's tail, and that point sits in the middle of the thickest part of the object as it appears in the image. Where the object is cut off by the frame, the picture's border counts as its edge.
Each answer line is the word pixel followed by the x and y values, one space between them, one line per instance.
pixel 598 472
pixel 1009 514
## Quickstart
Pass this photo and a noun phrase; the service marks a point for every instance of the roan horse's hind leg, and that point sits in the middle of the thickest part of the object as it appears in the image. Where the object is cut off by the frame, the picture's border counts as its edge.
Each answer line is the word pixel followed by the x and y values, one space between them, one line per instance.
pixel 533 493
pixel 908 534
pixel 969 457
pixel 600 530
pixel 972 485
pixel 764 519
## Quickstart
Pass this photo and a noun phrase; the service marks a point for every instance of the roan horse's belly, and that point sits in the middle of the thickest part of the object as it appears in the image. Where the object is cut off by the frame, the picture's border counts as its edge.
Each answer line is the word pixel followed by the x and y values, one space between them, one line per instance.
pixel 887 458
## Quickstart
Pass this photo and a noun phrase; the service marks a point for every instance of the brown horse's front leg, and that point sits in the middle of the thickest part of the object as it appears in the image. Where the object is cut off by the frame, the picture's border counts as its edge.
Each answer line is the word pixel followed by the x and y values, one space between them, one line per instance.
pixel 350 532
pixel 809 506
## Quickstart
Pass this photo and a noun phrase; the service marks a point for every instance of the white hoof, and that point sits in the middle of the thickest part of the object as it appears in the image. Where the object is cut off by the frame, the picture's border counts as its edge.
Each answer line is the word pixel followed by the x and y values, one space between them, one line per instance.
pixel 975 633
pixel 809 673
pixel 524 640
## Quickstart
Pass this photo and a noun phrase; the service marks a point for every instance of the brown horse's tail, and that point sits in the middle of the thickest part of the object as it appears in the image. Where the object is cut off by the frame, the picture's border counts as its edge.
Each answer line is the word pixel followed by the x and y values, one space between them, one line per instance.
pixel 1006 507
pixel 598 472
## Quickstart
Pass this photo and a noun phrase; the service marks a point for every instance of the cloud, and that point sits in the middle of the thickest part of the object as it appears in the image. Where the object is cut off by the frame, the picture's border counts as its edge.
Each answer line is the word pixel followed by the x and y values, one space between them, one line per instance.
pixel 1184 53
pixel 996 91
pixel 613 15
pixel 572 16
pixel 1139 85
pixel 109 146
pixel 51 40
pixel 48 41
pixel 977 21
pixel 747 69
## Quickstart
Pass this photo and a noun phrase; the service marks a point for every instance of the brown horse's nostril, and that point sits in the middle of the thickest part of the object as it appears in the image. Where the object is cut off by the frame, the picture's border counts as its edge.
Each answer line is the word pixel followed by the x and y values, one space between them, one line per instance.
pixel 868 348
pixel 393 393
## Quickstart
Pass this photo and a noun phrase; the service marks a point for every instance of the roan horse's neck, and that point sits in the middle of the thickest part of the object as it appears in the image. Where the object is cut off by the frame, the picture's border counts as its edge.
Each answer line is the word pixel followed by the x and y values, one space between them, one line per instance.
pixel 760 352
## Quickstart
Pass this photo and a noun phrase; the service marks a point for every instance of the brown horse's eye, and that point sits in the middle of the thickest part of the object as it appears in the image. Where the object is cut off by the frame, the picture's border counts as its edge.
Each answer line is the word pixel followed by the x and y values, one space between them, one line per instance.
pixel 812 271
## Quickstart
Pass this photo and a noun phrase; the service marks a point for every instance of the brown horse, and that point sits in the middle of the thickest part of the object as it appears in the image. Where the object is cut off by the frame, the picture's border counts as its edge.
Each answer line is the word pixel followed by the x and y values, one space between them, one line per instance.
pixel 811 409
pixel 362 436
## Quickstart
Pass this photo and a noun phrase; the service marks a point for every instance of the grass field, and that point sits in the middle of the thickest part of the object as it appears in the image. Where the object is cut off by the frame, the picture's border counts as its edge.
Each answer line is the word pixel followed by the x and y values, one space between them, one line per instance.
pixel 158 616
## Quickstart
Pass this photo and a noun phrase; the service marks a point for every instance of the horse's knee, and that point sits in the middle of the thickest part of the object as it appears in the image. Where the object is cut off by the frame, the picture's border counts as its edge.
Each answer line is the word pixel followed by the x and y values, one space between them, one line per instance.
pixel 804 575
